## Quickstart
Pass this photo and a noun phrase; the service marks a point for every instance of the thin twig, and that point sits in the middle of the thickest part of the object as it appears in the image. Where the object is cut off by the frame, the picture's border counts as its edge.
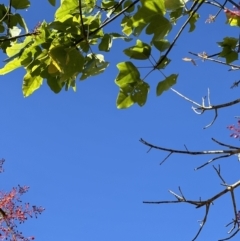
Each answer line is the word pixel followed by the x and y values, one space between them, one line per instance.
pixel 219 173
pixel 222 144
pixel 203 221
pixel 165 158
pixel 213 159
pixel 205 57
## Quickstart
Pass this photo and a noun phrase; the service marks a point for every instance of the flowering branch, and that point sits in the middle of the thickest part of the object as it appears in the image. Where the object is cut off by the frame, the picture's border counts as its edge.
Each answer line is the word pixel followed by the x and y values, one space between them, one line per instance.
pixel 11 211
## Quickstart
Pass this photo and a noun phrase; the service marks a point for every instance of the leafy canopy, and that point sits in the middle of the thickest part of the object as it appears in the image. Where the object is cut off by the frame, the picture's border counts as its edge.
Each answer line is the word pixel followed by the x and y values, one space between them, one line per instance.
pixel 60 52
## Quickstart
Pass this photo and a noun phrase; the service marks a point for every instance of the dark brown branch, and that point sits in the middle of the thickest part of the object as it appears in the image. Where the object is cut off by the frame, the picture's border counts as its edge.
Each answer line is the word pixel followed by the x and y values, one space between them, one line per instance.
pixel 212 160
pixel 210 152
pixel 202 222
pixel 222 144
pixel 19 36
pixel 230 236
pixel 219 173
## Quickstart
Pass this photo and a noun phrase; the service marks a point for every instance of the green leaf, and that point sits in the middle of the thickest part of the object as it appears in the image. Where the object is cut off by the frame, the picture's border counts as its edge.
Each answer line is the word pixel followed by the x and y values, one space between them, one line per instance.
pixel 193 20
pixel 20 4
pixel 132 88
pixel 94 65
pixel 229 42
pixel 166 84
pixel 124 101
pixel 176 14
pixel 59 57
pixel 151 11
pixel 140 93
pixel 161 44
pixel 54 84
pixel 88 6
pixel 52 2
pixel 17 47
pixel 106 43
pixel 139 51
pixel 66 7
pixel 228 52
pixel 74 65
pixel 14 64
pixel 67 24
pixel 126 4
pixel 229 55
pixel 31 81
pixel 128 73
pixel 17 19
pixel 120 36
pixel 161 29
pixel 164 62
pixel 172 5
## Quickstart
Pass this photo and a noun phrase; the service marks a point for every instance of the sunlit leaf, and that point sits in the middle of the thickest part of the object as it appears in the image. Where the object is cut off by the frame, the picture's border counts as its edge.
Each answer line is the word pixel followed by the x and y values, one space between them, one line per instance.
pixel 94 65
pixel 140 51
pixel 172 5
pixel 124 100
pixel 159 30
pixel 17 47
pixel 67 7
pixel 128 73
pixel 31 82
pixel 167 83
pixel 10 66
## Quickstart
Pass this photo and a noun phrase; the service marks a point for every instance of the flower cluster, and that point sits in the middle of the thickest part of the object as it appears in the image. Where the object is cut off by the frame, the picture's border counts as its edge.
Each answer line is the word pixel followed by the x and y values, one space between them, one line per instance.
pixel 13 212
pixel 235 130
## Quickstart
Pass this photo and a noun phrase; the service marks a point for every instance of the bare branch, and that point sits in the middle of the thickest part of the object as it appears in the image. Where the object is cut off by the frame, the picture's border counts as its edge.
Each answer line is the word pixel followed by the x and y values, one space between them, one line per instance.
pixel 219 173
pixel 215 117
pixel 213 159
pixel 205 57
pixel 222 144
pixel 230 152
pixel 206 203
pixel 230 236
pixel 202 222
pixel 201 108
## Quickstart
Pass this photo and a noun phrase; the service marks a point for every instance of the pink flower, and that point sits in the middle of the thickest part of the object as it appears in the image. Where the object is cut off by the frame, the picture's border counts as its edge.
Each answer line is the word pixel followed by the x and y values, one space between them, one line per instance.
pixel 12 212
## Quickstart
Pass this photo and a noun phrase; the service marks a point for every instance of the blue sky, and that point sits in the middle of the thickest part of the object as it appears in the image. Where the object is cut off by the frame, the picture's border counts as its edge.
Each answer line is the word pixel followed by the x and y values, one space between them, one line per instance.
pixel 83 161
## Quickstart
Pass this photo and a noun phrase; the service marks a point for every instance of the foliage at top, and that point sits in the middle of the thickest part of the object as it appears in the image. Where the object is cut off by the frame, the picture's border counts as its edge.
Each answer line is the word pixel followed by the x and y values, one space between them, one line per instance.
pixel 61 52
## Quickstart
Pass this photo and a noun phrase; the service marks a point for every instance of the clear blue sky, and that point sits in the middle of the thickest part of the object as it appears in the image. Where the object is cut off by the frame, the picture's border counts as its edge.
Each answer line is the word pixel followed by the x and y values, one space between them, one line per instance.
pixel 83 161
